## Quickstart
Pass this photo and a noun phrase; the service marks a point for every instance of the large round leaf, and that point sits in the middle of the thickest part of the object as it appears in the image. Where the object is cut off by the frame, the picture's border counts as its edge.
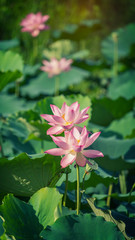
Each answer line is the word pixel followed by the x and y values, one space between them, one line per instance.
pixel 24 175
pixel 7 44
pixel 110 109
pixel 11 66
pixel 126 38
pixel 118 153
pixel 124 126
pixel 44 203
pixel 122 86
pixel 11 104
pixel 10 61
pixel 82 227
pixel 91 179
pixel 20 219
pixel 42 84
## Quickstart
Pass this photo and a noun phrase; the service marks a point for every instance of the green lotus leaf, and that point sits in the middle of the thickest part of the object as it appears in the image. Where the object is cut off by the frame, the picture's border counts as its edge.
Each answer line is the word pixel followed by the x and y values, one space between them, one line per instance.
pixel 124 126
pixel 42 84
pixel 126 39
pixel 82 227
pixel 110 109
pixel 7 44
pixel 122 86
pixel 20 219
pixel 24 175
pixel 44 203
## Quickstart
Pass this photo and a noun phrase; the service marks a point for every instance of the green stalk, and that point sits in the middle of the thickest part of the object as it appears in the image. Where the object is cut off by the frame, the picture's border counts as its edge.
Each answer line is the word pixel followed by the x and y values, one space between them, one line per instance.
pixel 84 175
pixel 66 188
pixel 1 144
pixel 115 62
pixel 57 85
pixel 42 141
pixel 17 90
pixel 78 190
pixel 35 49
pixel 109 195
pixel 122 180
pixel 129 198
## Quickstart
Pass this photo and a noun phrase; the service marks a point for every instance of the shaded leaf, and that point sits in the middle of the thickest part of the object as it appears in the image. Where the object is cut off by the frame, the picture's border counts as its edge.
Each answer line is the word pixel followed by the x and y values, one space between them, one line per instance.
pixel 122 86
pixel 7 44
pixel 124 126
pixel 82 227
pixel 20 219
pixel 107 215
pixel 8 77
pixel 24 175
pixel 110 109
pixel 126 39
pixel 11 104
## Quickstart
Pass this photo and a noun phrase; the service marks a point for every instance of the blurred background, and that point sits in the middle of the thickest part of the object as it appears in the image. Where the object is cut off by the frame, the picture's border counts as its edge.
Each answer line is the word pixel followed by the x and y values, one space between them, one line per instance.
pixel 99 36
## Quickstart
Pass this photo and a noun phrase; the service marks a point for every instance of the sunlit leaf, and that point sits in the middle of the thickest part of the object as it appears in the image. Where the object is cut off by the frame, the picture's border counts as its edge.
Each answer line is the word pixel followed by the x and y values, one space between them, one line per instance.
pixel 10 61
pixel 44 203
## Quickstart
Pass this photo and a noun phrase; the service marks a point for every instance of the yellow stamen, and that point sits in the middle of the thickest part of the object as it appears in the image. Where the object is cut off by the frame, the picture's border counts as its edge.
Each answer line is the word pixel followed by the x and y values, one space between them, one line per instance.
pixel 73 152
pixel 67 123
pixel 63 116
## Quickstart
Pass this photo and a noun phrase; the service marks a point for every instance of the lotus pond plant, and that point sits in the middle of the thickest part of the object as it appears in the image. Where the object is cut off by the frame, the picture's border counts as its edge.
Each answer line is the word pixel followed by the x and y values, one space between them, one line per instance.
pixel 72 146
pixel 54 67
pixel 34 23
pixel 65 118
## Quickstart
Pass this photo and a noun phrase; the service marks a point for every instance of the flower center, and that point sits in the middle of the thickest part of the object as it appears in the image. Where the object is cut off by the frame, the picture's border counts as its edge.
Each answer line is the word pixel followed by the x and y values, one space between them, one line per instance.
pixel 73 152
pixel 67 123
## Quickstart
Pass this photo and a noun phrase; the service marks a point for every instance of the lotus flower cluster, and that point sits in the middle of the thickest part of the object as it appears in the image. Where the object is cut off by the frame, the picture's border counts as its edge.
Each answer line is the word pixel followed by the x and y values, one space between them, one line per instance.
pixel 73 147
pixel 55 67
pixel 34 23
pixel 76 140
pixel 65 118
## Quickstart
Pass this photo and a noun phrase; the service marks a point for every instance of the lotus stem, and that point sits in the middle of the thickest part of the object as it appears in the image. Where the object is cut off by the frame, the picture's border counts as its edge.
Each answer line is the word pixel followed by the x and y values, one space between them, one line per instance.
pixel 35 49
pixel 115 62
pixel 17 88
pixel 84 175
pixel 109 195
pixel 129 198
pixel 42 141
pixel 78 189
pixel 122 180
pixel 66 188
pixel 1 146
pixel 57 85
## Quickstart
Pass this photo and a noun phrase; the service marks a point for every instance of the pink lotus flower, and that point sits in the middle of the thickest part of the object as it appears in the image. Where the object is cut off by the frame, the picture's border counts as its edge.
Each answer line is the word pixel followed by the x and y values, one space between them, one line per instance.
pixel 73 145
pixel 65 118
pixel 55 67
pixel 34 23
